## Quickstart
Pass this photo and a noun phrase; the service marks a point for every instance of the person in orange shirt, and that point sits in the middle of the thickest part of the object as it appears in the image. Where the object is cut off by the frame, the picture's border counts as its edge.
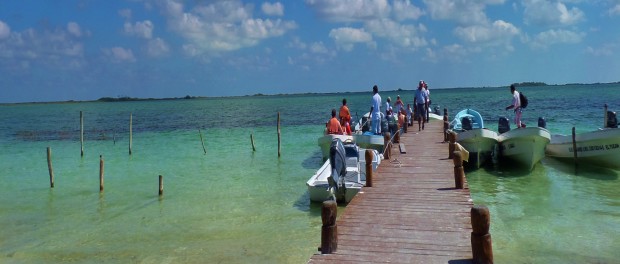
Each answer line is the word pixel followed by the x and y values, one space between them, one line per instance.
pixel 345 117
pixel 333 125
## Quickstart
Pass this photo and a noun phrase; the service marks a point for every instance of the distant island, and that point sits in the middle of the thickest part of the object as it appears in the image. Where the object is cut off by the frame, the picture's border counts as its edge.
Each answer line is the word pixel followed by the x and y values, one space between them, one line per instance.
pixel 189 97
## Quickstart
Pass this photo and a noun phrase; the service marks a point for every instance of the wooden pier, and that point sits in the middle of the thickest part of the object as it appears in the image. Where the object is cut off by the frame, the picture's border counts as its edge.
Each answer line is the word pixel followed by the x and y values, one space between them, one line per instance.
pixel 413 213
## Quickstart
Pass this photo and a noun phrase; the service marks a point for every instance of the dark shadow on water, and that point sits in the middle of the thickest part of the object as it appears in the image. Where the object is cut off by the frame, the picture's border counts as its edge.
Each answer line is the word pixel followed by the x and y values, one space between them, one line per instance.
pixel 314 161
pixel 506 168
pixel 582 170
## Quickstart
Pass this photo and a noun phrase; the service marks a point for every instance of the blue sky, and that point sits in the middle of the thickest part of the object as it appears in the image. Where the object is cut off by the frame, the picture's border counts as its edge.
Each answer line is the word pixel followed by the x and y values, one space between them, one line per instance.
pixel 84 50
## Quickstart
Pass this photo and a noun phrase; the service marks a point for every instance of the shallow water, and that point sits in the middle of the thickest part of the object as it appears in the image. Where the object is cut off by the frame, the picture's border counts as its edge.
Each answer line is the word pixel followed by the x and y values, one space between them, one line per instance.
pixel 233 205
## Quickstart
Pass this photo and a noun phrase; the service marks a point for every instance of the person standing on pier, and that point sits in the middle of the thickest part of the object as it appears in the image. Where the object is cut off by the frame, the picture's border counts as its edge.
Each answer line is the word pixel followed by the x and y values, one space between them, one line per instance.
pixel 420 104
pixel 375 111
pixel 516 105
pixel 428 101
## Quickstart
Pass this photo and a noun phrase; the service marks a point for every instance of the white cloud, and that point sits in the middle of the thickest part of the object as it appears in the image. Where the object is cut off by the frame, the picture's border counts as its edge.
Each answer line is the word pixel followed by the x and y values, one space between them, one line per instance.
pixel 350 10
pixel 157 47
pixel 125 13
pixel 403 10
pixel 346 37
pixel 399 34
pixel 142 29
pixel 496 33
pixel 466 12
pixel 275 9
pixel 615 10
pixel 74 29
pixel 603 51
pixel 318 47
pixel 551 37
pixel 550 14
pixel 118 54
pixel 5 30
pixel 221 26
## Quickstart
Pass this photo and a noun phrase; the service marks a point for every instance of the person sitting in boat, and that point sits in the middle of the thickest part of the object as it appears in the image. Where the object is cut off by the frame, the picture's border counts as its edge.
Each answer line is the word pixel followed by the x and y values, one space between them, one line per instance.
pixel 398 105
pixel 333 125
pixel 345 117
pixel 516 105
pixel 388 107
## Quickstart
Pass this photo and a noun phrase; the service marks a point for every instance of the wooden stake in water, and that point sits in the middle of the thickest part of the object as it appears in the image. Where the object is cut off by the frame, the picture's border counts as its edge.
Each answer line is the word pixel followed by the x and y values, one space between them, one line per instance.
pixel 202 141
pixel 574 147
pixel 81 134
pixel 252 140
pixel 161 185
pixel 605 115
pixel 49 166
pixel 130 131
pixel 279 136
pixel 100 173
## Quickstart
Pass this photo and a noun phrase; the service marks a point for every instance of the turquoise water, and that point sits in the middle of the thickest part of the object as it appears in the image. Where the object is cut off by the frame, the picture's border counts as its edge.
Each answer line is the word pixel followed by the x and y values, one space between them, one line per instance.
pixel 233 205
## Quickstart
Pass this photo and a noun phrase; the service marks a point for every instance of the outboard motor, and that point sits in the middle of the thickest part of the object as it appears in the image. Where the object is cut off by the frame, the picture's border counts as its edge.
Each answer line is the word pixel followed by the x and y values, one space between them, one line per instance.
pixel 467 123
pixel 436 110
pixel 542 123
pixel 337 160
pixel 612 121
pixel 503 125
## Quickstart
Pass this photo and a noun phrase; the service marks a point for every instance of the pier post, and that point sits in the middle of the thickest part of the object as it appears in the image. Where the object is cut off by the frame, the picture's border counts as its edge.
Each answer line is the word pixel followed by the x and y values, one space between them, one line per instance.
pixel 445 113
pixel 252 141
pixel 329 236
pixel 49 166
pixel 279 136
pixel 387 145
pixel 130 131
pixel 446 127
pixel 100 173
pixel 161 185
pixel 451 146
pixel 369 157
pixel 459 171
pixel 481 245
pixel 81 134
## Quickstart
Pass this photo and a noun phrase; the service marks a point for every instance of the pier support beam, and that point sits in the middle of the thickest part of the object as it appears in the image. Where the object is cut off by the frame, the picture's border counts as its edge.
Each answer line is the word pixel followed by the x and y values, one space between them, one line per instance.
pixel 369 157
pixel 481 245
pixel 459 171
pixel 329 236
pixel 387 145
pixel 451 146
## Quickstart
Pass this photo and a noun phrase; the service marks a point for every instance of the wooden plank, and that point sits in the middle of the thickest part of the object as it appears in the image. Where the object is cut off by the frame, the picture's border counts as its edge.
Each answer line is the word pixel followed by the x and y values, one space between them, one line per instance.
pixel 412 214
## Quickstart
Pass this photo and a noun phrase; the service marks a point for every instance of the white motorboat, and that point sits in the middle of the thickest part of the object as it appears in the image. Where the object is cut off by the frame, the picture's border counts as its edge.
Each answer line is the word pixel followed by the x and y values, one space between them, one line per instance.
pixel 366 139
pixel 524 145
pixel 599 148
pixel 327 139
pixel 474 137
pixel 347 180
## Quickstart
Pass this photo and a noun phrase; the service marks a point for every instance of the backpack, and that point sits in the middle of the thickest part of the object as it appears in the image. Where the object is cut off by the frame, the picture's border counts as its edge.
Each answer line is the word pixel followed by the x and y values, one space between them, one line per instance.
pixel 523 100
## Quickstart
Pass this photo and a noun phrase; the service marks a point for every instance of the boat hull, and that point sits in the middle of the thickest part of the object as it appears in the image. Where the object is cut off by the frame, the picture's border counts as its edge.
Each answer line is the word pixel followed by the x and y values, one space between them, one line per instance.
pixel 526 146
pixel 369 141
pixel 599 148
pixel 325 141
pixel 318 187
pixel 480 143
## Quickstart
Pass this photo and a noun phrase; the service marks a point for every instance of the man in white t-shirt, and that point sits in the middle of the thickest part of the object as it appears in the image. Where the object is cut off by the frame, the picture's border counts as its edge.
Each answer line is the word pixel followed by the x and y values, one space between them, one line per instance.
pixel 516 104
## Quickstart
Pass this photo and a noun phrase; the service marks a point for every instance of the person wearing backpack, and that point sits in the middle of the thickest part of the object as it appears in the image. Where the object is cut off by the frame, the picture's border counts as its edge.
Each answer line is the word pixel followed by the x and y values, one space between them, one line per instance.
pixel 516 105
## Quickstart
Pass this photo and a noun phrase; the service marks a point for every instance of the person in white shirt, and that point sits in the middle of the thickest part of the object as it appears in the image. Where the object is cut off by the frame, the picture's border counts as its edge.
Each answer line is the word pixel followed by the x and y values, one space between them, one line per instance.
pixel 516 105
pixel 375 111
